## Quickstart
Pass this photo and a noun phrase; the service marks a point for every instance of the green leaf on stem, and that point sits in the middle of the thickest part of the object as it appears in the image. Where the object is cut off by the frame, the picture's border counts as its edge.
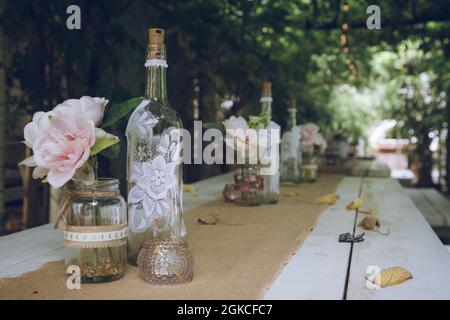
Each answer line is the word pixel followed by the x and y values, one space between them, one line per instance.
pixel 102 143
pixel 116 112
pixel 111 152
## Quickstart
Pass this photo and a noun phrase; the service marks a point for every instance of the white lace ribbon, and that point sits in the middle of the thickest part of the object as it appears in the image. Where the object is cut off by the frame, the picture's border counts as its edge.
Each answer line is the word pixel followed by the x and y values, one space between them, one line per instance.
pixel 156 63
pixel 96 236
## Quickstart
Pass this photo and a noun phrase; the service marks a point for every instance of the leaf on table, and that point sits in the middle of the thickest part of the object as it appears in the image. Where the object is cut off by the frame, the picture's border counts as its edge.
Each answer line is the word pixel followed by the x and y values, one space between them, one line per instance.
pixel 328 199
pixel 357 203
pixel 207 220
pixel 288 184
pixel 190 188
pixel 392 276
pixel 369 223
pixel 290 194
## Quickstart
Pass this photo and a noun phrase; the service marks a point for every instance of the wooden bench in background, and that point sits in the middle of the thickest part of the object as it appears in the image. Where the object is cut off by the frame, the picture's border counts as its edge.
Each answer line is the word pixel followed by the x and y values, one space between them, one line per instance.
pixel 435 208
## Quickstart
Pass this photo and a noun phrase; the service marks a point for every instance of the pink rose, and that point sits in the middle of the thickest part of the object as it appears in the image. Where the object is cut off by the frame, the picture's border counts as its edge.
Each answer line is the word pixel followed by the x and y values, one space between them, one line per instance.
pixel 309 133
pixel 61 144
pixel 88 107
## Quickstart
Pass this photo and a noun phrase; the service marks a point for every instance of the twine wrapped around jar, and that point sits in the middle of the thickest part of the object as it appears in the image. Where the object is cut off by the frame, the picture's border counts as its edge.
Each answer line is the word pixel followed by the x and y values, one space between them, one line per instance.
pixel 89 236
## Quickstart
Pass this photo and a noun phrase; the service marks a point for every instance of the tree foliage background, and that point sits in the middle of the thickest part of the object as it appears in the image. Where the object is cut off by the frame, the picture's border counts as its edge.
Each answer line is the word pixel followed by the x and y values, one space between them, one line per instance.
pixel 223 50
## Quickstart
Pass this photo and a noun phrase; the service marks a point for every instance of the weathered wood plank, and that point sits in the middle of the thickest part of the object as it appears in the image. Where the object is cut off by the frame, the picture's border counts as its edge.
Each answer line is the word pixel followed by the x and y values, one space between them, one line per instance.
pixel 318 269
pixel 434 217
pixel 441 203
pixel 379 169
pixel 412 244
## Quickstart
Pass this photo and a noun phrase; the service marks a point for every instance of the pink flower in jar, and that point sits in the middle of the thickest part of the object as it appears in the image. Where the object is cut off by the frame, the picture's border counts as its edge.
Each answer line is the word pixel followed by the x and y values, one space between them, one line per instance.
pixel 245 187
pixel 61 144
pixel 309 134
pixel 89 107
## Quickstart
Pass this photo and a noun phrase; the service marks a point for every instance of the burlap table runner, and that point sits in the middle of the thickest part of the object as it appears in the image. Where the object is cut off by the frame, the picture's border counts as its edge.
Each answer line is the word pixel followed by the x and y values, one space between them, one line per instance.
pixel 238 258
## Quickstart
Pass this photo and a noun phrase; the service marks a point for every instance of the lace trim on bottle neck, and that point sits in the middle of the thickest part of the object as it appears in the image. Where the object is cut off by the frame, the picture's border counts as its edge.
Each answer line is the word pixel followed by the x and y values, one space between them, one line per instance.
pixel 156 63
pixel 266 99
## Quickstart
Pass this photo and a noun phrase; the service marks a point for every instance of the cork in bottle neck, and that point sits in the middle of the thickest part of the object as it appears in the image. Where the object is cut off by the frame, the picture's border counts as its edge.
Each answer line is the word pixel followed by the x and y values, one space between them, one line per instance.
pixel 156 47
pixel 293 103
pixel 266 89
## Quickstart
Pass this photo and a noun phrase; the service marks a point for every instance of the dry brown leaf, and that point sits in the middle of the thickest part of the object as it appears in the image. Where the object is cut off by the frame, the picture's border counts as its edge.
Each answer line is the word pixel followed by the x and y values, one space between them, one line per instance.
pixel 327 199
pixel 369 223
pixel 207 220
pixel 189 188
pixel 392 276
pixel 288 184
pixel 357 203
pixel 290 194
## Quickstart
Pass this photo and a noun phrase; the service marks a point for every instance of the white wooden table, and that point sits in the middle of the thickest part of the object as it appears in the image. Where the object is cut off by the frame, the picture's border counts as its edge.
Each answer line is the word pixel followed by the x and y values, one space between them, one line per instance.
pixel 322 268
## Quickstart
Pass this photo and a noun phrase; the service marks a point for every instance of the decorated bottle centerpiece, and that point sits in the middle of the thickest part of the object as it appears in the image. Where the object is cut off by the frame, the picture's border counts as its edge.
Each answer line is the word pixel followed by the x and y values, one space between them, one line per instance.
pixel 271 183
pixel 154 175
pixel 291 153
pixel 312 142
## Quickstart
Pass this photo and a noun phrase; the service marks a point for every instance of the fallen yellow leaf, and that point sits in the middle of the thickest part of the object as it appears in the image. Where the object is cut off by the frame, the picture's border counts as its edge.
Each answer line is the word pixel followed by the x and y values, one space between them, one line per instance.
pixel 369 223
pixel 208 220
pixel 357 203
pixel 189 188
pixel 327 199
pixel 290 194
pixel 392 276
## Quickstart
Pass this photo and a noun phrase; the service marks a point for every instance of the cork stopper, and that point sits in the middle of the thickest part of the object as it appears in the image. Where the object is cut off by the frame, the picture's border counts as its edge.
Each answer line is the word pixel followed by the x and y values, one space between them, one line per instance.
pixel 156 36
pixel 156 48
pixel 266 89
pixel 293 103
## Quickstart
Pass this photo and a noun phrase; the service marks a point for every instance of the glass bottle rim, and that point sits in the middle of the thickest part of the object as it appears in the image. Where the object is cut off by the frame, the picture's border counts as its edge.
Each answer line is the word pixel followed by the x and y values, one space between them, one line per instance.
pixel 100 184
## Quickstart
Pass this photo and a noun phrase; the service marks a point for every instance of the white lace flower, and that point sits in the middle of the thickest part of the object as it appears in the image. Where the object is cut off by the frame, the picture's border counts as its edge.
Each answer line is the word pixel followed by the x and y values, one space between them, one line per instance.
pixel 154 180
pixel 145 120
pixel 170 145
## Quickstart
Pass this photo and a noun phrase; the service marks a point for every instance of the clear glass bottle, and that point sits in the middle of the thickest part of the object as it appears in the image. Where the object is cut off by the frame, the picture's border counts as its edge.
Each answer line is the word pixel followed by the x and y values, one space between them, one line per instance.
pixel 291 156
pixel 96 229
pixel 154 169
pixel 271 183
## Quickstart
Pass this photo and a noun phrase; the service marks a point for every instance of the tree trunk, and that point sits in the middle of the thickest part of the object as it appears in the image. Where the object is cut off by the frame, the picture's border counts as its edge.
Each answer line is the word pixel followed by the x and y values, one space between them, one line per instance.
pixel 2 134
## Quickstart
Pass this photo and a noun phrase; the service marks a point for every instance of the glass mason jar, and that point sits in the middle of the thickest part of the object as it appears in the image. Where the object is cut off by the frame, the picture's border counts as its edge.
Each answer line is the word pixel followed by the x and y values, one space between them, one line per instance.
pixel 249 185
pixel 95 232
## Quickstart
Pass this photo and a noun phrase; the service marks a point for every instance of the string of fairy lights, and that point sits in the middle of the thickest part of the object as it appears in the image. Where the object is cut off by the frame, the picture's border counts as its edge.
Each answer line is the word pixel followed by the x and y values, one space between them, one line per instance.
pixel 345 43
